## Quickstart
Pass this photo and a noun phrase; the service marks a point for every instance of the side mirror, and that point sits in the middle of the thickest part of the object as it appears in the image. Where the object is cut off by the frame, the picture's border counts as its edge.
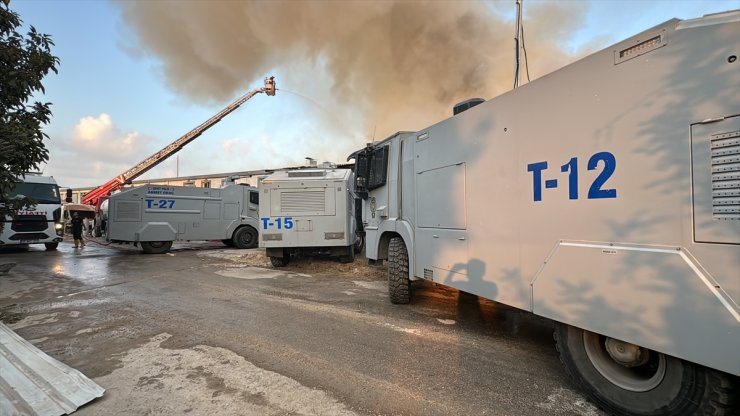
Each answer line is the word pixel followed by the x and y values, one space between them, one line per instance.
pixel 69 195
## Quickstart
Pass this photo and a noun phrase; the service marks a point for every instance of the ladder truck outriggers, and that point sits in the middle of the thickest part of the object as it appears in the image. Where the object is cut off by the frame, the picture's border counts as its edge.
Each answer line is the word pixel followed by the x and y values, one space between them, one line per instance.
pixel 99 194
pixel 605 197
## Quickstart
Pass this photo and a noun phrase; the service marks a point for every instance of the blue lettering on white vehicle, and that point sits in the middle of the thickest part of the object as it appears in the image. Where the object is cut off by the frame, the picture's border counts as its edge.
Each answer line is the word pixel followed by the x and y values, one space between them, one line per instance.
pixel 160 203
pixel 610 164
pixel 597 189
pixel 279 223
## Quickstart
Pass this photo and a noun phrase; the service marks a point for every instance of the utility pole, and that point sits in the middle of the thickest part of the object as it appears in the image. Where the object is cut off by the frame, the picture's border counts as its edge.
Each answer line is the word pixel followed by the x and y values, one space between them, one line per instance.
pixel 517 45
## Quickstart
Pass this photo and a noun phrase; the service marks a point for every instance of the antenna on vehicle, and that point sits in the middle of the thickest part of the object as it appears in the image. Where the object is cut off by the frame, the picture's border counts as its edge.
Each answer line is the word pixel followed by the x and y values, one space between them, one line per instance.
pixel 516 42
pixel 519 44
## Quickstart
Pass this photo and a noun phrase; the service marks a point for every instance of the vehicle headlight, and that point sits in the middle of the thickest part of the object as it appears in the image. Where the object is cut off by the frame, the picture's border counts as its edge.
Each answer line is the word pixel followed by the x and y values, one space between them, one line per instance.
pixel 58 226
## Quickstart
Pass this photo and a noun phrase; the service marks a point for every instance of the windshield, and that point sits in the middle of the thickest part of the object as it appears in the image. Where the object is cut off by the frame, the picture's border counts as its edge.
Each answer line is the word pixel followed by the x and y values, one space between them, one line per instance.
pixel 43 193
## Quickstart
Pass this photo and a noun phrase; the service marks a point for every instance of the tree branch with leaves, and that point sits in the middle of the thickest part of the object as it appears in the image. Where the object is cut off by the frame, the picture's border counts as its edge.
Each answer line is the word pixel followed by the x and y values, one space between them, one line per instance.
pixel 24 62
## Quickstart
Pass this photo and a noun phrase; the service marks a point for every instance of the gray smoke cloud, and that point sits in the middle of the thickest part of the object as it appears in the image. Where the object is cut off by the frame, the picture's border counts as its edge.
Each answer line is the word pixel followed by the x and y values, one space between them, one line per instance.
pixel 392 65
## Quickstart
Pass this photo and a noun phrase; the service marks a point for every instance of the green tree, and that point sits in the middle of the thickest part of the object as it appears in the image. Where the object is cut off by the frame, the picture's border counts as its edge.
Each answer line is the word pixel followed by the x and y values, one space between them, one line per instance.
pixel 24 61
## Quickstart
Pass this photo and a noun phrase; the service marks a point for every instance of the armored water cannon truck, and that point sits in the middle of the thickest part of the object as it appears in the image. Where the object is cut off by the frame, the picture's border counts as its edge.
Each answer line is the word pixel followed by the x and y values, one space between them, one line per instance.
pixel 604 196
pixel 156 215
pixel 308 211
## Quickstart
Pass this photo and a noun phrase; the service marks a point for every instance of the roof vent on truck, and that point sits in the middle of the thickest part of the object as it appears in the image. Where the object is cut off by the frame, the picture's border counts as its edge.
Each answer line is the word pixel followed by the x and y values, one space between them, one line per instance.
pixel 306 173
pixel 466 105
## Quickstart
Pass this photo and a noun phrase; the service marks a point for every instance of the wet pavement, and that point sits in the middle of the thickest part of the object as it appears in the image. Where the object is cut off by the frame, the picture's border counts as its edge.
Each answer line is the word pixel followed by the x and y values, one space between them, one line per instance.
pixel 210 330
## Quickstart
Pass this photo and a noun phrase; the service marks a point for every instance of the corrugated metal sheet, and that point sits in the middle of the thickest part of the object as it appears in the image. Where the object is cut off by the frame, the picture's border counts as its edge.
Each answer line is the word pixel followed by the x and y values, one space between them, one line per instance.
pixel 32 383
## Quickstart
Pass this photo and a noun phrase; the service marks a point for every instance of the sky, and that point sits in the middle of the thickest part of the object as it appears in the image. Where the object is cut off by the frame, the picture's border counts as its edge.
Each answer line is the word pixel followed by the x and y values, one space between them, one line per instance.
pixel 136 75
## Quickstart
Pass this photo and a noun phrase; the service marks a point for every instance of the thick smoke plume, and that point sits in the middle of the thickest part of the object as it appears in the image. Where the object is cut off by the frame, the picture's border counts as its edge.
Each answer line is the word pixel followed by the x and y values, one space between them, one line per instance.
pixel 398 65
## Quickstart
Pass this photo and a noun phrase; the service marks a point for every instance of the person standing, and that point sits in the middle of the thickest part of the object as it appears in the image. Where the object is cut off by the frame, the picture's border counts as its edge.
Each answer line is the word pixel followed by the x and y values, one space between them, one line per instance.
pixel 87 228
pixel 77 230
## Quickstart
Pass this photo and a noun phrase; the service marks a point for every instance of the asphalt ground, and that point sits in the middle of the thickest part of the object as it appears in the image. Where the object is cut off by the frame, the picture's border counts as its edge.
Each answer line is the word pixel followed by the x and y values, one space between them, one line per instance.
pixel 208 330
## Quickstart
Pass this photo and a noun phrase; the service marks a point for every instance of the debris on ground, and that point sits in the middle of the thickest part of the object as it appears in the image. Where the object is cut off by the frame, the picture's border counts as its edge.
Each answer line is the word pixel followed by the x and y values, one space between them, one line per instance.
pixel 305 265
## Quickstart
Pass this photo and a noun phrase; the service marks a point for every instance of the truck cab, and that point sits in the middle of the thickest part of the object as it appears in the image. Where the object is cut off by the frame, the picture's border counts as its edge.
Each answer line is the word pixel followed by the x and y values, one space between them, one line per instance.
pixel 39 223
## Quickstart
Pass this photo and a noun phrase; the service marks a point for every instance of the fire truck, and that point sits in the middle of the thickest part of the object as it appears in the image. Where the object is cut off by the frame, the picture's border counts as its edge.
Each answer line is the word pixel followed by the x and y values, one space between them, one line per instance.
pixel 604 196
pixel 101 193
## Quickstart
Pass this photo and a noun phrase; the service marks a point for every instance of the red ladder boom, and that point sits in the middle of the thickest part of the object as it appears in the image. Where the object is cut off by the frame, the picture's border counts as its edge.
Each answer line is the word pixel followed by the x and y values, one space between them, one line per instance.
pixel 92 197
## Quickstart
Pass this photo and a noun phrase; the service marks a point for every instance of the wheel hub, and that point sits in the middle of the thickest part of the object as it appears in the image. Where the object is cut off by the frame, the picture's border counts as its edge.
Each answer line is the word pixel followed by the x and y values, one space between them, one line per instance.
pixel 626 354
pixel 623 364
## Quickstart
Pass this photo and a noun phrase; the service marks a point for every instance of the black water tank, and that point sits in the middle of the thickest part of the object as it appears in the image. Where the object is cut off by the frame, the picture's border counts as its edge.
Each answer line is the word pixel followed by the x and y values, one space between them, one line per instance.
pixel 467 104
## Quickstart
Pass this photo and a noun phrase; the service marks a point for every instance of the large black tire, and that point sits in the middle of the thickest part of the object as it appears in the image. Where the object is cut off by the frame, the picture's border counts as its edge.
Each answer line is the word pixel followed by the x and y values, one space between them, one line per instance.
pixel 280 261
pixel 359 243
pixel 51 246
pixel 349 257
pixel 399 285
pixel 156 247
pixel 245 237
pixel 664 385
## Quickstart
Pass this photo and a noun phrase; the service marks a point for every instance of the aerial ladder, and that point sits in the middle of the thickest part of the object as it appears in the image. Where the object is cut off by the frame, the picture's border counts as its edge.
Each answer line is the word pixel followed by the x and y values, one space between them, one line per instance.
pixel 96 196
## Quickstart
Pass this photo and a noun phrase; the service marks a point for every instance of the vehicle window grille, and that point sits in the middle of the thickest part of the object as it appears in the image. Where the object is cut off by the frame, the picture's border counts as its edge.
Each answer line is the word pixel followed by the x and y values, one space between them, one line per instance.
pixel 128 211
pixel 305 201
pixel 639 49
pixel 725 160
pixel 26 223
pixel 378 166
pixel 306 173
pixel 28 236
pixel 361 172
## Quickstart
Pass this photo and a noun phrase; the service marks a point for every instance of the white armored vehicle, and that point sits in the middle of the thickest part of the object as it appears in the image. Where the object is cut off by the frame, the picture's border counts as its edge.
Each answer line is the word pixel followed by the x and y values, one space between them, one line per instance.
pixel 604 196
pixel 156 215
pixel 308 211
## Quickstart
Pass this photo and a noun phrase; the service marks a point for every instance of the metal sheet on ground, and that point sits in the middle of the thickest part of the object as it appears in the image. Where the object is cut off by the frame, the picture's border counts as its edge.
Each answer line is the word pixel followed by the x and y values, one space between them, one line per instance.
pixel 32 382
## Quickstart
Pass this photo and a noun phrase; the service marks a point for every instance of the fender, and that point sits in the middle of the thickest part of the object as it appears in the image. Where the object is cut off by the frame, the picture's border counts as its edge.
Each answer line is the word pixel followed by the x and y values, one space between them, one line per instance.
pixel 376 241
pixel 233 225
pixel 156 231
pixel 658 297
pixel 244 220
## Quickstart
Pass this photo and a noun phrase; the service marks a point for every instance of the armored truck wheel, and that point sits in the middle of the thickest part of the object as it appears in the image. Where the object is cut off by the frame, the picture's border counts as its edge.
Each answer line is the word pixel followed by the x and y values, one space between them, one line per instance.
pixel 399 285
pixel 245 237
pixel 156 247
pixel 280 261
pixel 359 243
pixel 349 257
pixel 51 246
pixel 623 378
